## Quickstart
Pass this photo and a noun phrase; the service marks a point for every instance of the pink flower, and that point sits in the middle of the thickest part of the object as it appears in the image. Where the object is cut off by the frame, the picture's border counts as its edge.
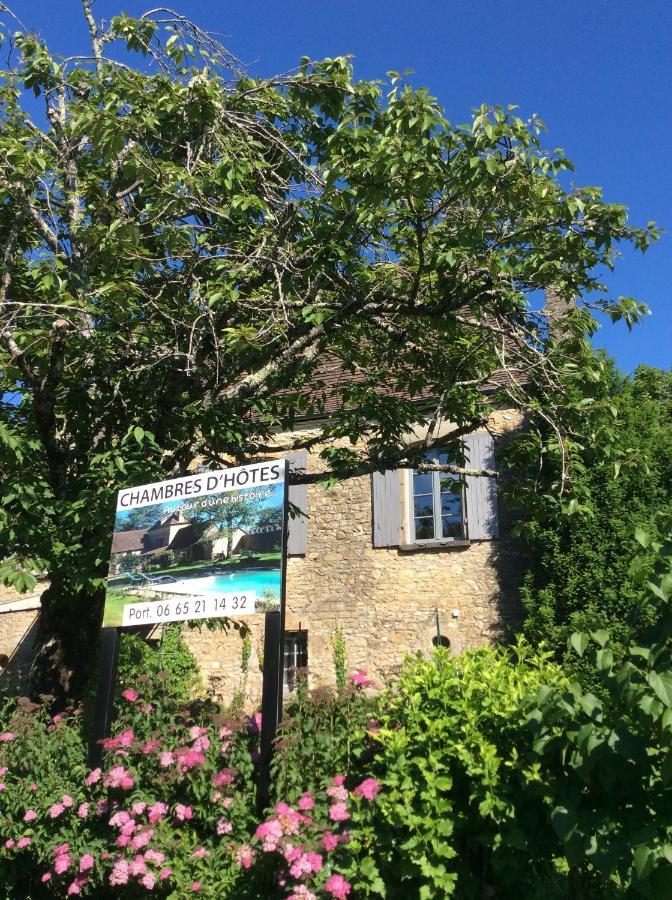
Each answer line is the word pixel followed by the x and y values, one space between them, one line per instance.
pixel 24 842
pixel 361 679
pixel 183 813
pixel 30 815
pixel 119 777
pixel 2 785
pixel 146 708
pixel 165 758
pixel 301 892
pixel 60 849
pixel 130 695
pixel 56 810
pixel 155 856
pixel 337 793
pixel 196 885
pixel 120 872
pixel 329 841
pixel 369 789
pixel 7 736
pixel 138 808
pixel 150 746
pixel 306 864
pixel 75 887
pixel 189 759
pixel 201 744
pixel 306 801
pixel 46 877
pixel 245 856
pixel 120 818
pixel 200 852
pixel 33 787
pixel 93 777
pixel 165 873
pixel 269 833
pixel 9 843
pixel 148 881
pixel 137 866
pixel 83 810
pixel 224 827
pixel 224 778
pixel 86 862
pixel 62 863
pixel 57 718
pixel 67 801
pixel 3 770
pixel 338 887
pixel 338 812
pixel 126 738
pixel 338 780
pixel 142 839
pixel 157 811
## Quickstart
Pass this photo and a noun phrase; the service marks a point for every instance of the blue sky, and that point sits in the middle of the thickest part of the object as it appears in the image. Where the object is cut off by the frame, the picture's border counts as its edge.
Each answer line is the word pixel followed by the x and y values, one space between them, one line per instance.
pixel 598 73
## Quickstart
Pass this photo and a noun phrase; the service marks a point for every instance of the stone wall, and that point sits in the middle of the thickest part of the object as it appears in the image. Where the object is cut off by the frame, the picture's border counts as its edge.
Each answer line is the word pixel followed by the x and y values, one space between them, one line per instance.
pixel 17 635
pixel 384 600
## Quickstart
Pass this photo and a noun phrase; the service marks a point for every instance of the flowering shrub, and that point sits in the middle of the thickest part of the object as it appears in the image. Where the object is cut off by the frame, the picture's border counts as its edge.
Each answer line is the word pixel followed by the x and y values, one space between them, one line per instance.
pixel 319 846
pixel 324 732
pixel 166 813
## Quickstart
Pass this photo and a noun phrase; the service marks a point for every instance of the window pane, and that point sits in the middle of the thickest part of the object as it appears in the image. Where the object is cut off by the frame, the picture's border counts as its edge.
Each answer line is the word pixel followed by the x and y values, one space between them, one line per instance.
pixel 451 527
pixel 422 484
pixel 424 529
pixel 451 505
pixel 449 483
pixel 424 506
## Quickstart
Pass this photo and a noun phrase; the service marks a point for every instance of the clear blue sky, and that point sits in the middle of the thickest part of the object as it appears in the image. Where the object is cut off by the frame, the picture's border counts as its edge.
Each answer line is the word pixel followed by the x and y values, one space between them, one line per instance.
pixel 599 73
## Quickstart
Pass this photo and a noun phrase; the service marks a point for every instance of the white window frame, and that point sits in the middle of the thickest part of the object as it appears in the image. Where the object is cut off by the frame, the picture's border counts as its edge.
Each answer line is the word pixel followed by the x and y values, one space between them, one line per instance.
pixel 436 505
pixel 295 653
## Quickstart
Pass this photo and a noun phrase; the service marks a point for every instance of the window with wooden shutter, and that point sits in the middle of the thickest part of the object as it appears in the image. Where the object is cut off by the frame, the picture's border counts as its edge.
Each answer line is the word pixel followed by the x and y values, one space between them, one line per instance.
pixel 386 512
pixel 481 492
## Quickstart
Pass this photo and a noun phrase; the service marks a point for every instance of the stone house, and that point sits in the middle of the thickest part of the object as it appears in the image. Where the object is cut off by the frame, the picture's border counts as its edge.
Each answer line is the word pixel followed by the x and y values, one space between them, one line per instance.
pixel 396 561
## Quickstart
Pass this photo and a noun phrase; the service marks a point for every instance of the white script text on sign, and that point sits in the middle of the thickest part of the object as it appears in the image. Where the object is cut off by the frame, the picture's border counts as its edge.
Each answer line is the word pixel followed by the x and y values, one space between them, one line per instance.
pixel 176 610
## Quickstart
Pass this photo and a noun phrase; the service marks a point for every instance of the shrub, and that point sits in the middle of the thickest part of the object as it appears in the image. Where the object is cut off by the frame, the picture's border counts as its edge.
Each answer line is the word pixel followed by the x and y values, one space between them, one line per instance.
pixel 168 810
pixel 459 805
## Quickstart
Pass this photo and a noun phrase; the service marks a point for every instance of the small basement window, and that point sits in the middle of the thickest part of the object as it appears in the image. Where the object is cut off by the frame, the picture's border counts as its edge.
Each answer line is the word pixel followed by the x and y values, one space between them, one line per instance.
pixel 296 658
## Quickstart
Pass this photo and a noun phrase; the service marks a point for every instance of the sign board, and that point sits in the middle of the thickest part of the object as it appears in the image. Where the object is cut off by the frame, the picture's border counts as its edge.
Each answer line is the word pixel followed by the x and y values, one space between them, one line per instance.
pixel 198 547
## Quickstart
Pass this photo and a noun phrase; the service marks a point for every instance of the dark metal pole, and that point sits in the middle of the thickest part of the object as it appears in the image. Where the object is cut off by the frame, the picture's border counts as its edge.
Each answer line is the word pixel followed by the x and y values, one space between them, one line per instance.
pixel 270 703
pixel 102 711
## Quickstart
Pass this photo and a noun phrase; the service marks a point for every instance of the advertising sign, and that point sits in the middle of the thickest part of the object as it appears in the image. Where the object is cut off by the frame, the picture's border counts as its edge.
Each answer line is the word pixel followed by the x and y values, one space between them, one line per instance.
pixel 198 547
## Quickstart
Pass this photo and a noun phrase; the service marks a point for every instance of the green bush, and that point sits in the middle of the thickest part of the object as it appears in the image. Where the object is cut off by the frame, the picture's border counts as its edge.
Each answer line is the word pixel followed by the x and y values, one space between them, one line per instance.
pixel 459 805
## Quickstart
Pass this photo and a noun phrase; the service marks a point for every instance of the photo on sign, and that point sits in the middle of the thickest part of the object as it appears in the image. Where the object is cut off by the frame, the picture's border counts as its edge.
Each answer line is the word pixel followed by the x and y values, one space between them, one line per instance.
pixel 210 555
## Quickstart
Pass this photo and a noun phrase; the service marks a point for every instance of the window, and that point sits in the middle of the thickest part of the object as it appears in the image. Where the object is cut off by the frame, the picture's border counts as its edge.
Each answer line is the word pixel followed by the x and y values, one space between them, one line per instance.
pixel 296 657
pixel 437 503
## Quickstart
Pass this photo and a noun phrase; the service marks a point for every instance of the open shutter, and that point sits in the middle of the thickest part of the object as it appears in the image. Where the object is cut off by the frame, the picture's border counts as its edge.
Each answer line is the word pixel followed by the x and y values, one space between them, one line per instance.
pixel 297 528
pixel 386 495
pixel 481 492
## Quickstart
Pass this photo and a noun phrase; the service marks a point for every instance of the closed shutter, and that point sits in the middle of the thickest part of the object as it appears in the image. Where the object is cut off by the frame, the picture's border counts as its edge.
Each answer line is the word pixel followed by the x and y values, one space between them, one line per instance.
pixel 481 492
pixel 297 528
pixel 386 497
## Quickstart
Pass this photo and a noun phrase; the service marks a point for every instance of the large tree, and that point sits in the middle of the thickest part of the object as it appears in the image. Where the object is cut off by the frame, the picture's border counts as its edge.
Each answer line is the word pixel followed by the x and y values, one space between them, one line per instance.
pixel 182 246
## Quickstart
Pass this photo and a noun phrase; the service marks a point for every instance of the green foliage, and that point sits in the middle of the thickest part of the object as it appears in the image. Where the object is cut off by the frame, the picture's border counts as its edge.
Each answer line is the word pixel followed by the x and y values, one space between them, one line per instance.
pixel 338 653
pixel 583 573
pixel 144 322
pixel 323 732
pixel 608 786
pixel 459 810
pixel 170 656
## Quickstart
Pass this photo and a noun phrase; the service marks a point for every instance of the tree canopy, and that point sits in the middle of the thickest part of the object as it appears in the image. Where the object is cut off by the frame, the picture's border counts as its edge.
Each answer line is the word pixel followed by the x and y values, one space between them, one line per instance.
pixel 183 246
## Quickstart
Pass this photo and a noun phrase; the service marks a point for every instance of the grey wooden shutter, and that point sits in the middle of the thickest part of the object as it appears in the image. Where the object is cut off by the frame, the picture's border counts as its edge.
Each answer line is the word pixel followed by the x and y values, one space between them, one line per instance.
pixel 481 493
pixel 386 496
pixel 297 528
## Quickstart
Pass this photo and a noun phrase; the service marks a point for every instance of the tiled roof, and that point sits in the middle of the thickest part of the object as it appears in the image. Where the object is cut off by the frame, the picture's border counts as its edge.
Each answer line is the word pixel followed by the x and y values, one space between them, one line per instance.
pixel 128 541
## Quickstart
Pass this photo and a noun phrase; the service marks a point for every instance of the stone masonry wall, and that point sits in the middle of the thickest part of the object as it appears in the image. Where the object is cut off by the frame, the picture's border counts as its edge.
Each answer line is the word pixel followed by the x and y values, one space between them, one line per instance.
pixel 384 600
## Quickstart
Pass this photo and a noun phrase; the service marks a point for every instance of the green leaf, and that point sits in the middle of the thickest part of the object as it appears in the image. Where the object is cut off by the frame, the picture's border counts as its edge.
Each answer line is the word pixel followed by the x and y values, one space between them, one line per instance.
pixel 579 642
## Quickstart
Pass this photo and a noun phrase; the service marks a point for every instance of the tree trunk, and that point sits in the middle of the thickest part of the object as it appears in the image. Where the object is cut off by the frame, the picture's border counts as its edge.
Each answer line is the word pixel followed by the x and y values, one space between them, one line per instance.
pixel 66 642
